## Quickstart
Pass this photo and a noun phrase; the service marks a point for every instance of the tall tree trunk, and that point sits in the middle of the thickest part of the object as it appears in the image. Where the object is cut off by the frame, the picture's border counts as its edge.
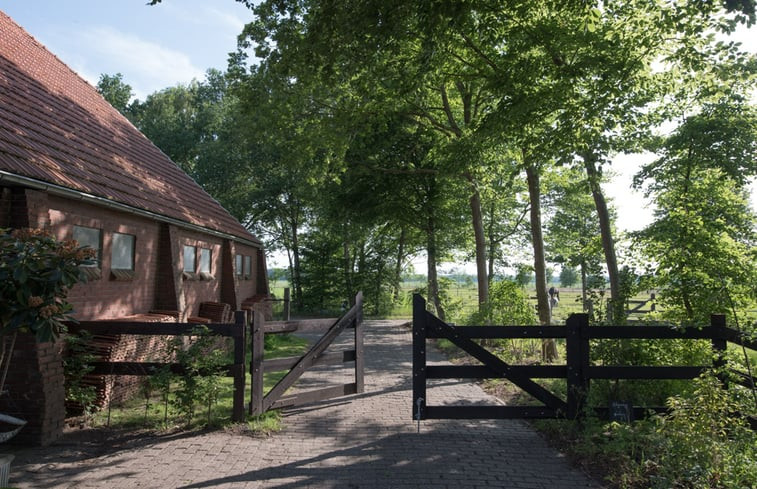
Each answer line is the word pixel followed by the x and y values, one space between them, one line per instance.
pixel 398 264
pixel 583 285
pixel 433 280
pixel 594 177
pixel 549 350
pixel 478 232
pixel 296 275
pixel 492 252
pixel 347 271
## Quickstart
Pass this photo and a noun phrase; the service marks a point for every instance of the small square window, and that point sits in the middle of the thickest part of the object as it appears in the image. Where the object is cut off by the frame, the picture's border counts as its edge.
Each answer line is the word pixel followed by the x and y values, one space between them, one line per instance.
pixel 91 238
pixel 190 259
pixel 238 265
pixel 122 253
pixel 247 267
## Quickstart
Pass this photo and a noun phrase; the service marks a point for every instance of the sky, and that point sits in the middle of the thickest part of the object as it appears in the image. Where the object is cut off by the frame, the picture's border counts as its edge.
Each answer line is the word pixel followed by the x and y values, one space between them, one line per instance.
pixel 159 46
pixel 154 47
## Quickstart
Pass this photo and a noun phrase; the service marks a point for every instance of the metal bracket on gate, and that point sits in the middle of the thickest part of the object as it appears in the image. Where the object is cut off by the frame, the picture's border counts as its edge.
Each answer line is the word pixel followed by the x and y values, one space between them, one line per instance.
pixel 418 403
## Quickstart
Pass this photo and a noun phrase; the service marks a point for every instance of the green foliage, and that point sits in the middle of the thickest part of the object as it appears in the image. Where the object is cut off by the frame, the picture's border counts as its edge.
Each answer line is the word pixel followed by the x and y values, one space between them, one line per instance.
pixel 702 443
pixel 80 397
pixel 524 274
pixel 267 423
pixel 645 353
pixel 702 240
pixel 36 274
pixel 115 91
pixel 202 362
pixel 568 276
pixel 508 305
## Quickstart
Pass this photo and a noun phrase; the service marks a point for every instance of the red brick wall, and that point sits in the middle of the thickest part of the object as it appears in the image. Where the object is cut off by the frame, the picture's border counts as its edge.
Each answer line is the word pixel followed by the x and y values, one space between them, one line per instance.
pixel 36 376
pixel 105 298
pixel 35 391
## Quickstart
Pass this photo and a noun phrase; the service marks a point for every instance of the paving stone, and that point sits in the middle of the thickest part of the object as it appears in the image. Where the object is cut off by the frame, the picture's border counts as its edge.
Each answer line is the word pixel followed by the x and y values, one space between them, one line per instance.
pixel 365 441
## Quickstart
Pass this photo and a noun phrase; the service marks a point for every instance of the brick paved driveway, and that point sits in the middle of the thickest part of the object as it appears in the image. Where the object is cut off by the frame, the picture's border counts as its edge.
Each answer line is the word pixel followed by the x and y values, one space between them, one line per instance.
pixel 359 442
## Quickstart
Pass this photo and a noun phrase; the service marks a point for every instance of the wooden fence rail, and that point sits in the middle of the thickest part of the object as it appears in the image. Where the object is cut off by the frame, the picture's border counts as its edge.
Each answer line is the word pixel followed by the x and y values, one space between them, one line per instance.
pixel 236 331
pixel 578 370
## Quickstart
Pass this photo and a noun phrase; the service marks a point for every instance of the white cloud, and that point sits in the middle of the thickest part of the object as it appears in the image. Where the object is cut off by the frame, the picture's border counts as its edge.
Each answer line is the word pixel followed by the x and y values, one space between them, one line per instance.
pixel 227 20
pixel 146 66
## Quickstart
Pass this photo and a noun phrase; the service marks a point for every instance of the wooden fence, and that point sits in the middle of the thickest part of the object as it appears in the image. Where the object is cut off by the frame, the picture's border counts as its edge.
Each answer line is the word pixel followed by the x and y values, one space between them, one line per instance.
pixel 236 331
pixel 578 370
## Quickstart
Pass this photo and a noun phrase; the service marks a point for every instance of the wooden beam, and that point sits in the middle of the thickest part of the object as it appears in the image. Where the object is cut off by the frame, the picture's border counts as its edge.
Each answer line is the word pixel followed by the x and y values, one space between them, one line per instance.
pixel 493 362
pixel 315 396
pixel 484 372
pixel 491 412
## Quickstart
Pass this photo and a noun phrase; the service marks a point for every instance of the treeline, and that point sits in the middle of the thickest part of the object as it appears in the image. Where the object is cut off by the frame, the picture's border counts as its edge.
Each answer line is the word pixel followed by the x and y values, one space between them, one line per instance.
pixel 367 133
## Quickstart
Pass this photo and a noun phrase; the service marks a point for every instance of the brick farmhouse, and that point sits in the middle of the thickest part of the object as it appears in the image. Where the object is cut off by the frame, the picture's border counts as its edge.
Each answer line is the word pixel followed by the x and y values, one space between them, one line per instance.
pixel 72 164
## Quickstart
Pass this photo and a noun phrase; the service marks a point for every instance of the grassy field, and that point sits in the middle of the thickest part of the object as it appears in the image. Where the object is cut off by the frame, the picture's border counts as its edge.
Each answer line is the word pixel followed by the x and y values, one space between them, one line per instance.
pixel 463 299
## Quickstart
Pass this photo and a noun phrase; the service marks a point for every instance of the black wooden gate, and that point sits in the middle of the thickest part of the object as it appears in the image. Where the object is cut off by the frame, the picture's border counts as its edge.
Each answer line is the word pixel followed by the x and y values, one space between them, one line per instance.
pixel 578 370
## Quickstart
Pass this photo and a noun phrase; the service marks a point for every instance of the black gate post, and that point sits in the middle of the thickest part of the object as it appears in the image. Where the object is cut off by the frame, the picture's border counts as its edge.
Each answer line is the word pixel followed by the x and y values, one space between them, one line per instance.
pixel 577 359
pixel 719 346
pixel 419 357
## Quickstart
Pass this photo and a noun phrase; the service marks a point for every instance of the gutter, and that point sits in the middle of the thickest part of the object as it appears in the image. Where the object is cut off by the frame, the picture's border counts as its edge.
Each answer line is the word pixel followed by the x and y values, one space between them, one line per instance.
pixel 111 204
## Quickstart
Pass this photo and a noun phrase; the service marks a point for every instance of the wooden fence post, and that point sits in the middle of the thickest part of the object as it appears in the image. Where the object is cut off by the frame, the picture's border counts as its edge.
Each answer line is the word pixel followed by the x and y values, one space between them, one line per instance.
pixel 359 349
pixel 287 304
pixel 240 321
pixel 256 365
pixel 719 346
pixel 419 357
pixel 577 359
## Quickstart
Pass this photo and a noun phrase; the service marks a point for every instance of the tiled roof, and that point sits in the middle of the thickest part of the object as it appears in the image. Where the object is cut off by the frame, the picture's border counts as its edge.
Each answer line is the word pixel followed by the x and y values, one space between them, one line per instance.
pixel 56 128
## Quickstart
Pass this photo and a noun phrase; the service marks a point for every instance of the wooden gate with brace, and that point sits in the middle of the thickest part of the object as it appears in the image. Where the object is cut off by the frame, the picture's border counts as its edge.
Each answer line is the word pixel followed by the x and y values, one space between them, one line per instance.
pixel 578 370
pixel 297 366
pixel 426 325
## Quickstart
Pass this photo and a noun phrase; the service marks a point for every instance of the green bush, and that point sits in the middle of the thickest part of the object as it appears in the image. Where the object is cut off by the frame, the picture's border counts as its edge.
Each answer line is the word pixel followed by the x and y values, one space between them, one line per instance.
pixel 702 443
pixel 36 273
pixel 508 305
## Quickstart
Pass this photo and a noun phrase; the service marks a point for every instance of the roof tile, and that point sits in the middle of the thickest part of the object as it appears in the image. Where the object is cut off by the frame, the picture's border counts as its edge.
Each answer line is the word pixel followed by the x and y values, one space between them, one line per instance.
pixel 56 128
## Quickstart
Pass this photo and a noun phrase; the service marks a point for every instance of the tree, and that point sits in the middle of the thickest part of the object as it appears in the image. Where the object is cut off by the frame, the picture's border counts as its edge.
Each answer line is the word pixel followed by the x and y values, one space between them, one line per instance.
pixel 568 276
pixel 703 238
pixel 115 91
pixel 573 236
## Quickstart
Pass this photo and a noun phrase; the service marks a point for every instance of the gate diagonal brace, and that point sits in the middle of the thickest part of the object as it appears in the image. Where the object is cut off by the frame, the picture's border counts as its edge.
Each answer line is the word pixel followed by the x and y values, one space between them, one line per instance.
pixel 494 363
pixel 308 359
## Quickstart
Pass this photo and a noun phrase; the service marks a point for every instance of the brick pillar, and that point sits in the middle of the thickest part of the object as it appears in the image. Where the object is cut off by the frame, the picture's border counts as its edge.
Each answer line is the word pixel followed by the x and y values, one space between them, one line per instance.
pixel 6 199
pixel 228 287
pixel 261 281
pixel 35 391
pixel 168 277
